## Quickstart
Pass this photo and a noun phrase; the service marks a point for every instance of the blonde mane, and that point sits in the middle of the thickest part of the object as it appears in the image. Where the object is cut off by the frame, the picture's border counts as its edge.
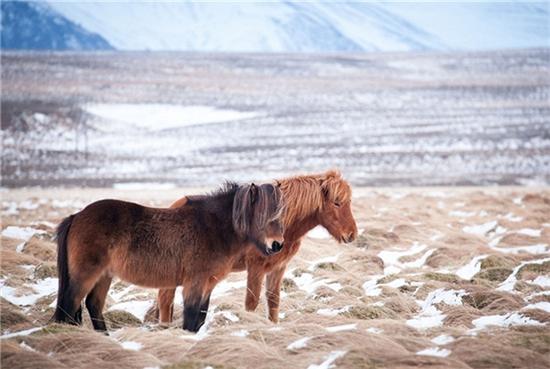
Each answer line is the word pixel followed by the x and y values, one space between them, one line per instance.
pixel 306 194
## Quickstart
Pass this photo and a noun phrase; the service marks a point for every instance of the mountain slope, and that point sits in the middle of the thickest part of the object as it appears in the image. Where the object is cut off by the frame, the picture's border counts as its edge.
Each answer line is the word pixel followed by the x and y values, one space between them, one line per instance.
pixel 33 26
pixel 314 26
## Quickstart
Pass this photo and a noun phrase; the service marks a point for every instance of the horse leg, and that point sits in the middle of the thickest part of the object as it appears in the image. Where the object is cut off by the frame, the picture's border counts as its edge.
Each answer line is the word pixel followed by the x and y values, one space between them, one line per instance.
pixel 253 287
pixel 273 291
pixel 70 309
pixel 165 302
pixel 95 301
pixel 204 309
pixel 191 308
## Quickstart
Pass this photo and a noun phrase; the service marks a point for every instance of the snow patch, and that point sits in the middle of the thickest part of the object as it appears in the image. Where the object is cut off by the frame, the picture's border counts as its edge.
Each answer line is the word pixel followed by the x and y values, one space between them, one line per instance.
pixel 25 332
pixel 333 312
pixel 505 320
pixel 471 269
pixel 41 288
pixel 230 316
pixel 21 233
pixel 510 282
pixel 240 333
pixel 136 308
pixel 331 358
pixel 340 328
pixel 374 330
pixel 131 345
pixel 542 281
pixel 156 117
pixel 443 339
pixel 298 344
pixel 482 229
pixel 435 351
pixel 543 305
pixel 530 232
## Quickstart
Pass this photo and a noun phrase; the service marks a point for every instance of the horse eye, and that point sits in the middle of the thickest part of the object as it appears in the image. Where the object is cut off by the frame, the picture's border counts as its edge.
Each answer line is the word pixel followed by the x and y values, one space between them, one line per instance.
pixel 337 204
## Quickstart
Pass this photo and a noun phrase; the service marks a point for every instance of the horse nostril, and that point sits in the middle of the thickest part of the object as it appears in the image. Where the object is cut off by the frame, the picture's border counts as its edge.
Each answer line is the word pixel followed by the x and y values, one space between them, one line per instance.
pixel 276 246
pixel 350 237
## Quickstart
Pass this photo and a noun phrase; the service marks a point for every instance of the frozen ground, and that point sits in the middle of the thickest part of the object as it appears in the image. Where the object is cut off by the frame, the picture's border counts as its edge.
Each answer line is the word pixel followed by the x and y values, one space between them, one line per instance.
pixel 430 282
pixel 196 119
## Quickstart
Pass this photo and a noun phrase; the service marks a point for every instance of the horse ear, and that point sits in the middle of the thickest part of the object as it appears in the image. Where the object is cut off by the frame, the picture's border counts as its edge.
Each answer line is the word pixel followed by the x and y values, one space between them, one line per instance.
pixel 253 193
pixel 324 184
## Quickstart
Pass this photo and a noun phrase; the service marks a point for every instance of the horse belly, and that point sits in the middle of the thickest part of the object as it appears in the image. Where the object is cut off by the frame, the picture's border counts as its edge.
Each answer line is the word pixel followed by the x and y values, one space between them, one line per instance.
pixel 147 271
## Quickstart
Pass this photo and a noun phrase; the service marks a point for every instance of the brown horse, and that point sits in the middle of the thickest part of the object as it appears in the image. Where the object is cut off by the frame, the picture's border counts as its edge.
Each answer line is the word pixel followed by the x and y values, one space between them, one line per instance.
pixel 311 200
pixel 194 246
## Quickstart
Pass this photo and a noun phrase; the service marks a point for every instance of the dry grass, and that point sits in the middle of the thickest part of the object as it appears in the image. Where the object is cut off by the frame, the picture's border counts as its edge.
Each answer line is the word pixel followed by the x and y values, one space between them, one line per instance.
pixel 323 301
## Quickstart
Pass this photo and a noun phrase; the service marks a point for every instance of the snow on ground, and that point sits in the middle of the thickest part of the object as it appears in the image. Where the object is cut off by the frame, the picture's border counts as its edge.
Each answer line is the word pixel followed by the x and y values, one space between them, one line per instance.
pixel 131 345
pixel 435 351
pixel 510 282
pixel 472 268
pixel 335 297
pixel 504 320
pixel 343 327
pixel 442 339
pixel 298 344
pixel 327 364
pixel 157 117
pixel 134 307
pixel 40 289
pixel 21 233
pixel 481 229
pixel 430 316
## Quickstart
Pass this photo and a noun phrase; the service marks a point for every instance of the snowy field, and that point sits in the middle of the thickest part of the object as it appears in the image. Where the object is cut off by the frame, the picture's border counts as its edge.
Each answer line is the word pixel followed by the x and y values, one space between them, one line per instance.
pixel 188 119
pixel 439 277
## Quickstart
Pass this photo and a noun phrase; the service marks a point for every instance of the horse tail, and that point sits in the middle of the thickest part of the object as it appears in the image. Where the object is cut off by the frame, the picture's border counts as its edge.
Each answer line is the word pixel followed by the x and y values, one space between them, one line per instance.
pixel 64 303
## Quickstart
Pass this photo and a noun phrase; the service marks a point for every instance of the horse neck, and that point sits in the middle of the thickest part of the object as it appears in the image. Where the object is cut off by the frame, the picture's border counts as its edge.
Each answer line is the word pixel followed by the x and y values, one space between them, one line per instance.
pixel 300 227
pixel 219 209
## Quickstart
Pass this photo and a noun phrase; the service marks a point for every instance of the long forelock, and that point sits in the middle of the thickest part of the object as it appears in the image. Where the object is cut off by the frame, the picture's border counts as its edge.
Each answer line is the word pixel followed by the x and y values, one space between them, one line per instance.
pixel 268 206
pixel 251 218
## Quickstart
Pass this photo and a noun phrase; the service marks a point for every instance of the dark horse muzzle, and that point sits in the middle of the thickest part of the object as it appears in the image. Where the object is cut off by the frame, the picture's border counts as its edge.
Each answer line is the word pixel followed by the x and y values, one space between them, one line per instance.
pixel 266 249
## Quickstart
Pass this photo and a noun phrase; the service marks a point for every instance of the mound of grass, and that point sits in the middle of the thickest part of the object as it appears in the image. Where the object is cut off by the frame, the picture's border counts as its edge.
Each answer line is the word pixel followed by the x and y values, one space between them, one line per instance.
pixel 10 315
pixel 351 291
pixel 45 270
pixel 532 338
pixel 299 271
pixel 496 261
pixel 442 277
pixel 329 266
pixel 493 301
pixel 195 365
pixel 529 270
pixel 118 319
pixel 365 312
pixel 494 274
pixel 376 238
pixel 56 328
pixel 288 285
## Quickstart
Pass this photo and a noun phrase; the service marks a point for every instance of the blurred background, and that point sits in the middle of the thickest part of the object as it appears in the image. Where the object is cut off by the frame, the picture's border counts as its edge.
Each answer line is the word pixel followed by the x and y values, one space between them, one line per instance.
pixel 161 94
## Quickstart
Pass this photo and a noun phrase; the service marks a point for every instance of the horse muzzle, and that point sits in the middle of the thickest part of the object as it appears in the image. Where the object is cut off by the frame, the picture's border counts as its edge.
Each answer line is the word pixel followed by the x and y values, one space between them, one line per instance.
pixel 274 248
pixel 348 238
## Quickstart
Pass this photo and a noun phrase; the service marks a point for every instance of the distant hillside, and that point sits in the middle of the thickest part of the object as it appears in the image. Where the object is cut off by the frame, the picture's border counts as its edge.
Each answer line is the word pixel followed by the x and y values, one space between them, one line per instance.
pixel 317 26
pixel 33 26
pixel 275 26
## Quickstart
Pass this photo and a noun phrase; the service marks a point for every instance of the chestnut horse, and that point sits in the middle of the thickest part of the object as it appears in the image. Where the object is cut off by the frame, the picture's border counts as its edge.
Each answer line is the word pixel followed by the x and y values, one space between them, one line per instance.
pixel 194 246
pixel 310 200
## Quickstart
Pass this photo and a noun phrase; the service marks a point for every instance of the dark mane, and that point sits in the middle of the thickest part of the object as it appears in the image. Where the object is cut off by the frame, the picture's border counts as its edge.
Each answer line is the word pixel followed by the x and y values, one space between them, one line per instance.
pixel 254 207
pixel 228 188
